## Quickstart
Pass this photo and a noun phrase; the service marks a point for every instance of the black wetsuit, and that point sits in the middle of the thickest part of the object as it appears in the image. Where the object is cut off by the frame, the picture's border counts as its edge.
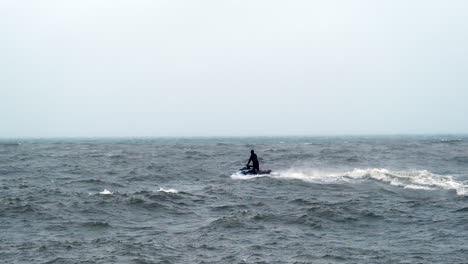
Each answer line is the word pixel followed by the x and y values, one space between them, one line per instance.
pixel 254 159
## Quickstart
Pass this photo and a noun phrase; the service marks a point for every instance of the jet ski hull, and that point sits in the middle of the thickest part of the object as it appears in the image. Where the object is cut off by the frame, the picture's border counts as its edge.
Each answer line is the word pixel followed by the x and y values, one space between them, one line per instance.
pixel 248 171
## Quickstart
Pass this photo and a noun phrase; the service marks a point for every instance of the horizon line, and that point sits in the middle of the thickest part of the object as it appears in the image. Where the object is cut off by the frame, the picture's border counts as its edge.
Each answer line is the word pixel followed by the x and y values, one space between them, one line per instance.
pixel 240 136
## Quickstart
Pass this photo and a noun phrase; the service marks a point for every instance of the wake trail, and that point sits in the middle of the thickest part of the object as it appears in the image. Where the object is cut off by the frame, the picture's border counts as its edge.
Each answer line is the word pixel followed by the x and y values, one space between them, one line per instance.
pixel 409 179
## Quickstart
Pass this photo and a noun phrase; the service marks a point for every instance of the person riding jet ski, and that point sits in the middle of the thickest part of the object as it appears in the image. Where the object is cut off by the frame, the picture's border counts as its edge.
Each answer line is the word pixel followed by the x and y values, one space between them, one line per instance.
pixel 255 169
pixel 254 160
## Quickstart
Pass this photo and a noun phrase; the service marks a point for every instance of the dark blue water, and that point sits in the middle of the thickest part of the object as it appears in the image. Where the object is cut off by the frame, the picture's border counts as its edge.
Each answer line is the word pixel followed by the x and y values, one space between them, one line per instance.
pixel 329 200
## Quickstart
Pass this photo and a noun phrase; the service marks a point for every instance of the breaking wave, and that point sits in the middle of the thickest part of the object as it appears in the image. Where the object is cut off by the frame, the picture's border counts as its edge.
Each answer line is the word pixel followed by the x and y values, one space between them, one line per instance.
pixel 410 179
pixel 168 190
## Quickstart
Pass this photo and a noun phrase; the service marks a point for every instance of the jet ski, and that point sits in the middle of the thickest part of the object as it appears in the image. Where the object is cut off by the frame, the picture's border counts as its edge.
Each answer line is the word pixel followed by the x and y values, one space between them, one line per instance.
pixel 249 171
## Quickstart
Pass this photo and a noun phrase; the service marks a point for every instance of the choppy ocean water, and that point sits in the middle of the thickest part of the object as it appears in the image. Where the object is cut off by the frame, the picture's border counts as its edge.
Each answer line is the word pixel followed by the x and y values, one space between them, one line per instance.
pixel 329 200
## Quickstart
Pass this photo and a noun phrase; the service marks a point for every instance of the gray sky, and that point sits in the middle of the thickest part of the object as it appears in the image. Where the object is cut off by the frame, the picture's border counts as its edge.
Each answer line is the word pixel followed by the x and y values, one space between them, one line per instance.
pixel 232 68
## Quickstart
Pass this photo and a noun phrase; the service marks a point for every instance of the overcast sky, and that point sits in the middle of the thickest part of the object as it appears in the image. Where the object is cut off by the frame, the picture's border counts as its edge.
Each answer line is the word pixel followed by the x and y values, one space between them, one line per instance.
pixel 97 68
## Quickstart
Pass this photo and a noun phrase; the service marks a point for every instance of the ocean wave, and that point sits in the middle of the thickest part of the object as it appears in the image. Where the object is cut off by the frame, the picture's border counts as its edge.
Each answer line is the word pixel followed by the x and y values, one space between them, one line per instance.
pixel 168 190
pixel 96 224
pixel 95 182
pixel 451 141
pixel 106 192
pixel 461 159
pixel 116 156
pixel 464 209
pixel 147 200
pixel 230 207
pixel 57 260
pixel 244 219
pixel 10 144
pixel 409 179
pixel 197 154
pixel 18 208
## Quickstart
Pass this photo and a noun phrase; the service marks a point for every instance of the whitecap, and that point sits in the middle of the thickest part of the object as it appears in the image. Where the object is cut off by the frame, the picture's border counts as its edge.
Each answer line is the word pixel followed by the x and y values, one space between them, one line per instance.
pixel 106 192
pixel 168 190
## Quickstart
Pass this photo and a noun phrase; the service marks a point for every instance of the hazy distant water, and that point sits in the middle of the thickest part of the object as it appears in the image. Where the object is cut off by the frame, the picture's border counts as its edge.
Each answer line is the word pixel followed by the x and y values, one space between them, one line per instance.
pixel 330 200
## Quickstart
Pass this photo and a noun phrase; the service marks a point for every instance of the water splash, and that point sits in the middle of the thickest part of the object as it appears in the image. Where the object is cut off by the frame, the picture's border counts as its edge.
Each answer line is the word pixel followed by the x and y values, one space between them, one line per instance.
pixel 409 179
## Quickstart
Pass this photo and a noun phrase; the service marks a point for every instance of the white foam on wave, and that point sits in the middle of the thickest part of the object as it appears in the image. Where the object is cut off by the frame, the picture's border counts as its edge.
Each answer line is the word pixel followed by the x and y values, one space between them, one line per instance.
pixel 409 179
pixel 106 192
pixel 168 190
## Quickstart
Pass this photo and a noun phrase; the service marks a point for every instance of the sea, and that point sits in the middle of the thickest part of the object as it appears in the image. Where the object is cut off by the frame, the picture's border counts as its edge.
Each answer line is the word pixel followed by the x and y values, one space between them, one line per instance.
pixel 350 199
